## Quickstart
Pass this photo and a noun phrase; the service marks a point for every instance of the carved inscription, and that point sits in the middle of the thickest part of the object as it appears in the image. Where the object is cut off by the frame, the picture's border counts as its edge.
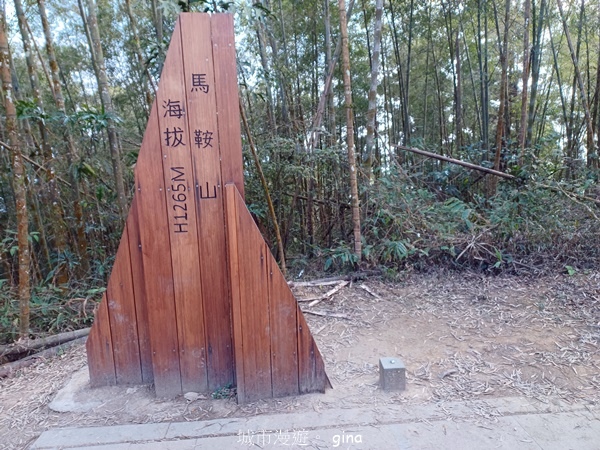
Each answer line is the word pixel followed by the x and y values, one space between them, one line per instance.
pixel 199 83
pixel 203 139
pixel 180 196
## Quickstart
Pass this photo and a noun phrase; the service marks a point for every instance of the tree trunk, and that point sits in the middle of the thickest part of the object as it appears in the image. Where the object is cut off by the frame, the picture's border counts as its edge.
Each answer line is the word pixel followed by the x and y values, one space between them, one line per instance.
pixel 407 125
pixel 572 125
pixel 260 36
pixel 596 106
pixel 157 17
pixel 525 81
pixel 538 26
pixel 115 154
pixel 493 182
pixel 72 153
pixel 143 68
pixel 453 48
pixel 459 107
pixel 19 183
pixel 563 102
pixel 350 131
pixel 592 155
pixel 332 139
pixel 372 111
pixel 57 224
pixel 263 182
pixel 401 78
pixel 485 101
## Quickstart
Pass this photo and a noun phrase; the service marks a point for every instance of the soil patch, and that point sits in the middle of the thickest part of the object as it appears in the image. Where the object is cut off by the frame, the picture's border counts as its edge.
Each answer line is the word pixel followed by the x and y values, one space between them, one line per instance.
pixel 461 336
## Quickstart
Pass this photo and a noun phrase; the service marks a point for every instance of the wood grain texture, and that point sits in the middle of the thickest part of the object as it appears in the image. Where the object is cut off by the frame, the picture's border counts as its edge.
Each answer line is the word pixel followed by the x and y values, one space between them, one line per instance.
pixel 139 292
pixel 284 339
pixel 275 353
pixel 311 369
pixel 234 279
pixel 196 301
pixel 227 97
pixel 205 137
pixel 101 363
pixel 123 320
pixel 156 255
pixel 181 212
pixel 254 303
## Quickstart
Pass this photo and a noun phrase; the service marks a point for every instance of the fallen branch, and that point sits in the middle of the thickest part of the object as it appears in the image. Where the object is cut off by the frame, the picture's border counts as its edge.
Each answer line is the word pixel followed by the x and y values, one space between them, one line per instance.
pixel 321 202
pixel 569 194
pixel 456 161
pixel 370 291
pixel 322 314
pixel 8 369
pixel 335 280
pixel 20 347
pixel 315 300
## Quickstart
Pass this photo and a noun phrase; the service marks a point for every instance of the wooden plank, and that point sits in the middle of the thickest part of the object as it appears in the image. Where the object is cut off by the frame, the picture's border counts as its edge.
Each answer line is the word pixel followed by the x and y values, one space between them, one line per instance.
pixel 284 340
pixel 311 370
pixel 177 148
pixel 234 278
pixel 254 302
pixel 227 100
pixel 193 279
pixel 156 255
pixel 123 321
pixel 139 292
pixel 205 144
pixel 99 349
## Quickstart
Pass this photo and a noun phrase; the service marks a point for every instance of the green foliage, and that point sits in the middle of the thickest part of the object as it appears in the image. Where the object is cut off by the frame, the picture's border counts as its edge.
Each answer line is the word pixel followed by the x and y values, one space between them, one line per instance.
pixel 91 119
pixel 51 311
pixel 519 227
pixel 29 109
pixel 225 392
pixel 340 258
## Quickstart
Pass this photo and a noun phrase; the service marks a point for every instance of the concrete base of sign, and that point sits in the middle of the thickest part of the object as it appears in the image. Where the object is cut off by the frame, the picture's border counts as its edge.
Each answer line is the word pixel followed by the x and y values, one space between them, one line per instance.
pixel 392 374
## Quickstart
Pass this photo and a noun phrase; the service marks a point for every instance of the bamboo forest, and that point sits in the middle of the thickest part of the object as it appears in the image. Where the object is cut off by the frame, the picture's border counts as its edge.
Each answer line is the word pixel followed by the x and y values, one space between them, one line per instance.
pixel 393 136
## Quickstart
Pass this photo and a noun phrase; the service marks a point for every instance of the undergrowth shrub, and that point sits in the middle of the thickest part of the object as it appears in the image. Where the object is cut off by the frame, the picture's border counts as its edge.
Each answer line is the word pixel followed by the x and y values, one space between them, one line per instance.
pixel 526 226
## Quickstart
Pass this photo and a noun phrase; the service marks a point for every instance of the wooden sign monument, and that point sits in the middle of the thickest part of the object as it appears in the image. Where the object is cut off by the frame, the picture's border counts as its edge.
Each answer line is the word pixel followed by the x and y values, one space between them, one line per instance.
pixel 196 301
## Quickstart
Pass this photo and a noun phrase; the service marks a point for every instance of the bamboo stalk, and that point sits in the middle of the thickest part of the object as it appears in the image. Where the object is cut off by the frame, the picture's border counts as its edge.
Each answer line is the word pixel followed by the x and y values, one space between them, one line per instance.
pixel 456 161
pixel 263 181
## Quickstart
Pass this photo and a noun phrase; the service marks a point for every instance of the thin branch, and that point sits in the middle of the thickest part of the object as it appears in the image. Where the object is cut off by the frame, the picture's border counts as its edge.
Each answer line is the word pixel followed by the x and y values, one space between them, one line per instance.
pixel 32 162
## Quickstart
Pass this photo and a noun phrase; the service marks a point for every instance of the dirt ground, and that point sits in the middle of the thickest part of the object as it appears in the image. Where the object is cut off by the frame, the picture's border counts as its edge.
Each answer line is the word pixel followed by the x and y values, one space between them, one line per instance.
pixel 461 337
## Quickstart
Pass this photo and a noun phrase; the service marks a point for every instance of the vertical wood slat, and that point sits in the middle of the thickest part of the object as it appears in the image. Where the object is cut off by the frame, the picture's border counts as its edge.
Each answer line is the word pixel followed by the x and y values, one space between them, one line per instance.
pixel 228 116
pixel 123 321
pixel 252 321
pixel 250 299
pixel 270 331
pixel 284 339
pixel 235 283
pixel 255 307
pixel 205 138
pixel 311 370
pixel 156 254
pixel 203 308
pixel 139 292
pixel 177 149
pixel 101 363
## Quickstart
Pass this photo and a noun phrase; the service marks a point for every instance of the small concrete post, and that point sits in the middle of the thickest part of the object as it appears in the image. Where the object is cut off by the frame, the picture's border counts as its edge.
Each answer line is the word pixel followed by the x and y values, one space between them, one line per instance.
pixel 392 374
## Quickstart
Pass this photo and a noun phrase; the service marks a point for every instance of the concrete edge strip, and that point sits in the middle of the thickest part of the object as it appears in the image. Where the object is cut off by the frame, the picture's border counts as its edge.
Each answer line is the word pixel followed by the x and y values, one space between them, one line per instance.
pixel 327 419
